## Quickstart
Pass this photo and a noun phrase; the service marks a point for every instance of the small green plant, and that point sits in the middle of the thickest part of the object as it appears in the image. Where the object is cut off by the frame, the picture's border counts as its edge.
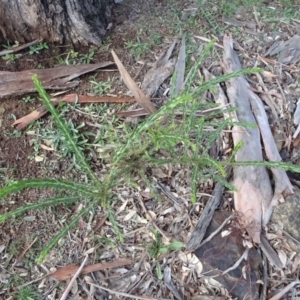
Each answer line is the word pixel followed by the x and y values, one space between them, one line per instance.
pixel 71 58
pixel 28 99
pixel 137 49
pixel 74 58
pixel 157 38
pixel 158 247
pixel 58 141
pixel 15 133
pixel 159 273
pixel 93 193
pixel 187 143
pixel 87 58
pixel 105 45
pixel 28 293
pixel 11 57
pixel 35 49
pixel 100 87
pixel 40 66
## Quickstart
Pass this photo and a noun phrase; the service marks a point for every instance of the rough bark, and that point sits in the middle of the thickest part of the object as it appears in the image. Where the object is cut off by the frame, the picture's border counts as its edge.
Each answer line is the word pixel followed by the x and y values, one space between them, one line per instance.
pixel 62 21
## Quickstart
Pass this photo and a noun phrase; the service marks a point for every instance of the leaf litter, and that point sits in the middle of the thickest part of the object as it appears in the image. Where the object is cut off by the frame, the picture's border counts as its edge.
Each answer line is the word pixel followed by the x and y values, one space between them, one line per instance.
pixel 180 276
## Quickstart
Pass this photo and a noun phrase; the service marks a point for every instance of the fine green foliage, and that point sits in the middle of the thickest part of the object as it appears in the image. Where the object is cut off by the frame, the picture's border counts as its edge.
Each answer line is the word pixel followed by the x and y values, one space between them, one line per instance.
pixel 35 49
pixel 137 49
pixel 11 57
pixel 100 87
pixel 28 293
pixel 28 99
pixel 185 140
pixel 87 58
pixel 65 131
pixel 73 57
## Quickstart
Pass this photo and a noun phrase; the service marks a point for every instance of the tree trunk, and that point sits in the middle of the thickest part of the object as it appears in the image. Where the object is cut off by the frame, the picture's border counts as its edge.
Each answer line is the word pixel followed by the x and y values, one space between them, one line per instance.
pixel 62 21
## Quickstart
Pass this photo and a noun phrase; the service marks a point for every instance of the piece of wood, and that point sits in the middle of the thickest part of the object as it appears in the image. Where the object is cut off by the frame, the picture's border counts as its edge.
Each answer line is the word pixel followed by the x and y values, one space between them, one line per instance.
pixel 19 83
pixel 254 190
pixel 71 98
pixel 205 218
pixel 18 48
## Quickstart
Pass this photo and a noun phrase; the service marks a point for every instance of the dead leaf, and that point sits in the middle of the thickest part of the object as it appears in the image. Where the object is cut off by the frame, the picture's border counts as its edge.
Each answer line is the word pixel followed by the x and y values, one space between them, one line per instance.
pixel 130 214
pixel 138 94
pixel 282 257
pixel 289 50
pixel 99 223
pixel 68 271
pixel 254 198
pixel 157 172
pixel 39 158
pixel 238 23
pixel 163 68
pixel 269 75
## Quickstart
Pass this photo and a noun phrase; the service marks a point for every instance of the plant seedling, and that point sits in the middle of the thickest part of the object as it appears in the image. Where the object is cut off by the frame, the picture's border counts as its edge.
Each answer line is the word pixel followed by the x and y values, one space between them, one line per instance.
pixel 35 49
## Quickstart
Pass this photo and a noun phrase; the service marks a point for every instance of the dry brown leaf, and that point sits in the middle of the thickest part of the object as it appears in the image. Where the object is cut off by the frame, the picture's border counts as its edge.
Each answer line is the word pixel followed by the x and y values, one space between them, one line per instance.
pixel 28 119
pixel 162 69
pixel 68 271
pixel 255 198
pixel 146 195
pixel 289 50
pixel 296 141
pixel 269 74
pixel 99 223
pixel 138 94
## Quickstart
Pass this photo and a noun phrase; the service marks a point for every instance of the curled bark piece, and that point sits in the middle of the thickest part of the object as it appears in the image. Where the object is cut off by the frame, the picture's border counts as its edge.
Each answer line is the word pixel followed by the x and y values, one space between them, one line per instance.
pixel 255 198
pixel 253 184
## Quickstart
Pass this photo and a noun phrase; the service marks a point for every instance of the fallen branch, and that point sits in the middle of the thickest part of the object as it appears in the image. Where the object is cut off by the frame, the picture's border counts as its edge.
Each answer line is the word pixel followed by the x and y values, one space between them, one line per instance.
pixel 205 218
pixel 18 48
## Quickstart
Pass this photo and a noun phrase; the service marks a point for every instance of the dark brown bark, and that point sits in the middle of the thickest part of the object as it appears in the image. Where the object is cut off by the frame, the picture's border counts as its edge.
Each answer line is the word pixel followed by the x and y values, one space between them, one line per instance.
pixel 62 21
